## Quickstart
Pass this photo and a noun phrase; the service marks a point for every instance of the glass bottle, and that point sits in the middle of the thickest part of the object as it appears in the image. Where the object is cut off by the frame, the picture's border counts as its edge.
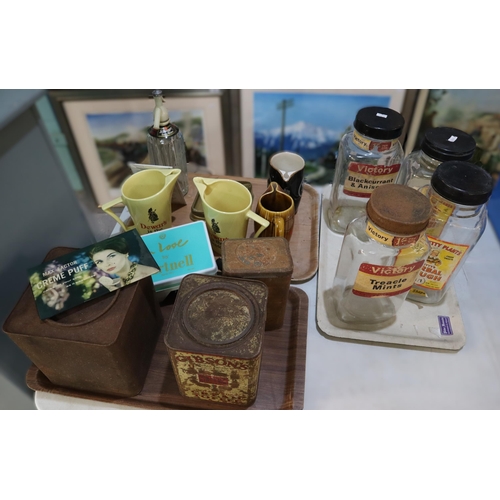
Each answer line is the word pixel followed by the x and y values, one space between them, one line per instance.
pixel 370 155
pixel 458 194
pixel 439 144
pixel 166 144
pixel 380 257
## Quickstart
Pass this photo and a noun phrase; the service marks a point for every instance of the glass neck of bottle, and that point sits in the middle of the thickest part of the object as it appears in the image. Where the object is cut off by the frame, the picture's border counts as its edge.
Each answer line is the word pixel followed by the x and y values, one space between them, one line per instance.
pixel 450 209
pixel 428 161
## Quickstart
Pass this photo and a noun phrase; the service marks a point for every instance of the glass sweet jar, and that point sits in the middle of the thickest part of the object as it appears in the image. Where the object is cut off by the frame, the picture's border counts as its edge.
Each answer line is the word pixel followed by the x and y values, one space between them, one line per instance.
pixel 458 195
pixel 369 156
pixel 439 144
pixel 381 255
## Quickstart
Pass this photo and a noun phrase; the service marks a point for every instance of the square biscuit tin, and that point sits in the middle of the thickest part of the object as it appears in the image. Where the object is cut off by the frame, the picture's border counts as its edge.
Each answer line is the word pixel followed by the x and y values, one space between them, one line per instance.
pixel 214 338
pixel 180 251
pixel 104 345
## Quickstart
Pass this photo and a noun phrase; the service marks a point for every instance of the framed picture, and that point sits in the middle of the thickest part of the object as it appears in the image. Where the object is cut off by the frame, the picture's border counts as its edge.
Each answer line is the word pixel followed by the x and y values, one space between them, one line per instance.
pixel 109 130
pixel 307 122
pixel 476 112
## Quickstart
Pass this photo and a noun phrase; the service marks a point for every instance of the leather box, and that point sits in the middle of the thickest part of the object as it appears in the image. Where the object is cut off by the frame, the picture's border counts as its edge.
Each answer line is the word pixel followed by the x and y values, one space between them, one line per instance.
pixel 104 345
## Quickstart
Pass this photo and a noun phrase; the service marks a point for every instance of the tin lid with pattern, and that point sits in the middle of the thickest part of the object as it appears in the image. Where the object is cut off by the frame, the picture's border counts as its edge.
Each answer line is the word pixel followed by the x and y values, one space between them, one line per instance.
pixel 218 315
pixel 399 209
pixel 256 257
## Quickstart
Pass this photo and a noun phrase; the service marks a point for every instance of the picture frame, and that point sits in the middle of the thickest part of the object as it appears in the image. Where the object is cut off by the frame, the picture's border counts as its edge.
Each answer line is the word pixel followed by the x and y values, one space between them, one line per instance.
pixel 474 111
pixel 106 130
pixel 324 114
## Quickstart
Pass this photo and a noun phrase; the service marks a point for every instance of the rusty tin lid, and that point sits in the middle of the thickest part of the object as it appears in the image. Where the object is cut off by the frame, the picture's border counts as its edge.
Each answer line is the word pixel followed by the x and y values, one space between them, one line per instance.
pixel 399 209
pixel 259 257
pixel 218 315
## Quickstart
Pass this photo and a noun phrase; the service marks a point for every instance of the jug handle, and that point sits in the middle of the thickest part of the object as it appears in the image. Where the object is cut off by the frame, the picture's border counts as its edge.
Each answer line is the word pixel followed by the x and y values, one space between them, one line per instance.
pixel 107 208
pixel 280 226
pixel 257 218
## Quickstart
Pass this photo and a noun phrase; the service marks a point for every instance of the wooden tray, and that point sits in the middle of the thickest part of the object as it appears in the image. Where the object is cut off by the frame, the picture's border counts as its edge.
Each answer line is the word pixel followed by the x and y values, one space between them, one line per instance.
pixel 304 242
pixel 416 325
pixel 281 382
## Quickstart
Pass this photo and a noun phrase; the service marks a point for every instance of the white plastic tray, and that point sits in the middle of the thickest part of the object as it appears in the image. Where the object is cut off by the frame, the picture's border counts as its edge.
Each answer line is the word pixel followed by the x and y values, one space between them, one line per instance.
pixel 416 325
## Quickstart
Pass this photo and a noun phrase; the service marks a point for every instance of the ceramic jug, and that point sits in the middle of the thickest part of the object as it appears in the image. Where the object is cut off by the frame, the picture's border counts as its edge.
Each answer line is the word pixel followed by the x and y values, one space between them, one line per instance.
pixel 226 206
pixel 148 197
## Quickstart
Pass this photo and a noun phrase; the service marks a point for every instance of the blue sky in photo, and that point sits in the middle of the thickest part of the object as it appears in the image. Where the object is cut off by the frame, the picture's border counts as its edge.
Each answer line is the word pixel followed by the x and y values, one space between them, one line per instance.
pixel 332 111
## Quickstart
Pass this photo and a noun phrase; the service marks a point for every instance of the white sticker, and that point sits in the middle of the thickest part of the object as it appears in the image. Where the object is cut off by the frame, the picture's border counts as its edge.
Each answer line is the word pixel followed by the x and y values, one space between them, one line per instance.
pixel 452 138
pixel 381 115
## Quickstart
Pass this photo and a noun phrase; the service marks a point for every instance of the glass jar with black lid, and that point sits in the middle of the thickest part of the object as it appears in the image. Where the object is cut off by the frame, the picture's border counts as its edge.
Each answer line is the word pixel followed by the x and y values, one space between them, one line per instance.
pixel 438 145
pixel 369 156
pixel 458 195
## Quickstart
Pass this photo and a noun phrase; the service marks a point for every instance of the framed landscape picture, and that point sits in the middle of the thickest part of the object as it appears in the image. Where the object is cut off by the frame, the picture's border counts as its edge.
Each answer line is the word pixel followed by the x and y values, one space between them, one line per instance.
pixel 307 122
pixel 110 133
pixel 476 112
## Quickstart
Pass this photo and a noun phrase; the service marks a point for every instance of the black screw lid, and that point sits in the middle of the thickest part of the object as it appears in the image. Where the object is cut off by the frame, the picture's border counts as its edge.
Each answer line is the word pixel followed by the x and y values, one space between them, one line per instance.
pixel 462 182
pixel 379 123
pixel 447 143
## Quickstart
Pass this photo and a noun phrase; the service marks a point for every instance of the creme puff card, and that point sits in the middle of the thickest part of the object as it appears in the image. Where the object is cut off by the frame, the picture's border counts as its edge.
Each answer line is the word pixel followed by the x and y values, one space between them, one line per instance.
pixel 90 272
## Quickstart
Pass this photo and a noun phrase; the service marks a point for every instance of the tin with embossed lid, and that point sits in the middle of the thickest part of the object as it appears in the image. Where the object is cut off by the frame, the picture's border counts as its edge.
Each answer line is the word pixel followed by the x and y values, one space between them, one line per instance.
pixel 265 259
pixel 214 338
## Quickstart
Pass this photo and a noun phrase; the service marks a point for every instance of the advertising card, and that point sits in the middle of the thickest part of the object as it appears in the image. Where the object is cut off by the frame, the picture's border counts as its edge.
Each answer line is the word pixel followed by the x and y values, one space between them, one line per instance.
pixel 90 272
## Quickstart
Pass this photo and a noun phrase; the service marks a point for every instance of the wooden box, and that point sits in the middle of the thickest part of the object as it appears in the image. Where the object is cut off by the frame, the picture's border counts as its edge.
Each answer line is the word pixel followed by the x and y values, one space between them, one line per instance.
pixel 214 338
pixel 265 259
pixel 104 345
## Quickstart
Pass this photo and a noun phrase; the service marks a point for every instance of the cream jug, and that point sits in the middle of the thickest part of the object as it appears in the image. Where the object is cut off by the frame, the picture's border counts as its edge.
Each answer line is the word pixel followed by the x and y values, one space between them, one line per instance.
pixel 148 196
pixel 226 205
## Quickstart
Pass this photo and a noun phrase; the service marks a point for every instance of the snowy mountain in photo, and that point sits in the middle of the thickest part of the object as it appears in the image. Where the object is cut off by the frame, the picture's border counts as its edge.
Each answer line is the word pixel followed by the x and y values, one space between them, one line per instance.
pixel 310 141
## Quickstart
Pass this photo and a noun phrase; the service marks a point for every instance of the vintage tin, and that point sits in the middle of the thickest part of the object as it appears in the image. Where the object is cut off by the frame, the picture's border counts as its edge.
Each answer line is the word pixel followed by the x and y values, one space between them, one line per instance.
pixel 214 338
pixel 104 345
pixel 265 259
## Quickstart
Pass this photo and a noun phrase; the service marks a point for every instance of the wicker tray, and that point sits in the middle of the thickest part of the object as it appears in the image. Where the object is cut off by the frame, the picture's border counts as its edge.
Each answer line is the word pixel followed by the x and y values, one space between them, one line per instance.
pixel 281 382
pixel 304 242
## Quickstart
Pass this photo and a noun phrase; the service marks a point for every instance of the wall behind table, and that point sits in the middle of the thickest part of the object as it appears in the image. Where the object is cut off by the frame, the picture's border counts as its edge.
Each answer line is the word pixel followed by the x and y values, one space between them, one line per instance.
pixel 38 211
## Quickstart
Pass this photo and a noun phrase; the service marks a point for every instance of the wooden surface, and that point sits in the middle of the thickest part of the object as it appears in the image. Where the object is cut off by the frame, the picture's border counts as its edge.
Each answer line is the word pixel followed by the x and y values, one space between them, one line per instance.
pixel 282 374
pixel 304 242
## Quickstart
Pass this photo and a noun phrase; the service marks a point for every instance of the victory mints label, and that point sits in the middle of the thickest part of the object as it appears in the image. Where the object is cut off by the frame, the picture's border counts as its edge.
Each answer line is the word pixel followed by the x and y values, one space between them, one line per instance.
pixel 385 281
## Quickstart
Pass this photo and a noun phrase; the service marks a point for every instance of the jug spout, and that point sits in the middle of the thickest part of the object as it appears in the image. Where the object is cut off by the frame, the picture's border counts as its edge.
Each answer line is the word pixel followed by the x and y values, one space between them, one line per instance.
pixel 201 184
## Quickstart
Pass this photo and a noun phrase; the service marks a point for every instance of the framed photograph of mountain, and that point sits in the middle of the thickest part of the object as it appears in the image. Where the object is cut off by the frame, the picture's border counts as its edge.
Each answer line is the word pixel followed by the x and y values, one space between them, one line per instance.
pixel 110 133
pixel 307 122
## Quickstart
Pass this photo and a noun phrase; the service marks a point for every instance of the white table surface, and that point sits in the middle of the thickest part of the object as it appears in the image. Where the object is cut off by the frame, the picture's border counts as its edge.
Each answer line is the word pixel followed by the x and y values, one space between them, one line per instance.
pixel 352 375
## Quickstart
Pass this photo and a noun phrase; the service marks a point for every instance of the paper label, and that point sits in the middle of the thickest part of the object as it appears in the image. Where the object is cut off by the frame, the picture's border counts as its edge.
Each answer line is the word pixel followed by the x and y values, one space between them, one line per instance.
pixel 441 212
pixel 370 145
pixel 445 325
pixel 362 179
pixel 440 264
pixel 389 239
pixel 385 281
